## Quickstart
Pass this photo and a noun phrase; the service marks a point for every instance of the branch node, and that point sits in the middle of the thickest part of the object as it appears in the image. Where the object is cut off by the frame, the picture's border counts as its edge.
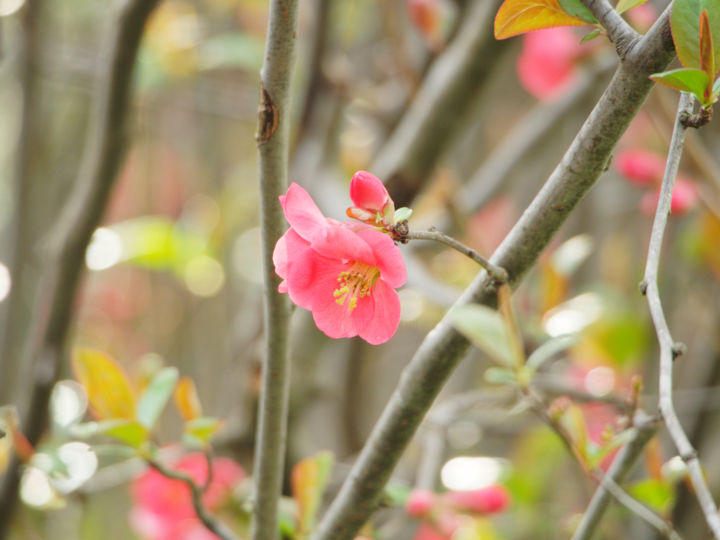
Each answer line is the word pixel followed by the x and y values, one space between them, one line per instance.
pixel 697 120
pixel 678 349
pixel 643 287
pixel 268 116
pixel 689 456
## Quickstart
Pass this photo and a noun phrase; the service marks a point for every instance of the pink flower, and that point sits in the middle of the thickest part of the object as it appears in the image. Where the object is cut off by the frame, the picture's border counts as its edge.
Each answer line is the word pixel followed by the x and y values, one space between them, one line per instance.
pixel 546 65
pixel 163 507
pixel 481 501
pixel 373 204
pixel 640 167
pixel 684 198
pixel 345 274
pixel 420 502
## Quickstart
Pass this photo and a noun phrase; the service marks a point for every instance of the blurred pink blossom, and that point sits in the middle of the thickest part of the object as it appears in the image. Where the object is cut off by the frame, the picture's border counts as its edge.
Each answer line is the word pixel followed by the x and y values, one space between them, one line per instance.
pixel 163 507
pixel 640 167
pixel 546 65
pixel 684 198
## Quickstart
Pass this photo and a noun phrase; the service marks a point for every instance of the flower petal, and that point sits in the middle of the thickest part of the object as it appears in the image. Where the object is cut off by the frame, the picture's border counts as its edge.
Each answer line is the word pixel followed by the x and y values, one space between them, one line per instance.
pixel 306 276
pixel 388 257
pixel 336 320
pixel 386 315
pixel 288 246
pixel 301 212
pixel 368 192
pixel 340 243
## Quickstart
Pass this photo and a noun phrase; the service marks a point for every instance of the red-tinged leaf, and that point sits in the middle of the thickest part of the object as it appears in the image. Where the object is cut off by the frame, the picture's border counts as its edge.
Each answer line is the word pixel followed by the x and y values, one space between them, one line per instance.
pixel 685 26
pixel 107 386
pixel 690 80
pixel 707 54
pixel 520 16
pixel 308 479
pixel 187 400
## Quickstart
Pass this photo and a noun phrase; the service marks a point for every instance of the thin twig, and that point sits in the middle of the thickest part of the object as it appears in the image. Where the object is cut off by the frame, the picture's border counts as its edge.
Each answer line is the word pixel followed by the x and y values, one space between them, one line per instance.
pixel 619 32
pixel 212 523
pixel 273 132
pixel 645 427
pixel 497 273
pixel 636 507
pixel 443 347
pixel 668 348
pixel 622 464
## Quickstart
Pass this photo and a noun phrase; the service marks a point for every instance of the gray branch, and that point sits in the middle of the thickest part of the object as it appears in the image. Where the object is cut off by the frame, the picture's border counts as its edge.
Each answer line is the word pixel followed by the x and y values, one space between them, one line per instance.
pixel 443 347
pixel 272 137
pixel 619 469
pixel 450 88
pixel 668 348
pixel 65 247
pixel 619 32
pixel 211 523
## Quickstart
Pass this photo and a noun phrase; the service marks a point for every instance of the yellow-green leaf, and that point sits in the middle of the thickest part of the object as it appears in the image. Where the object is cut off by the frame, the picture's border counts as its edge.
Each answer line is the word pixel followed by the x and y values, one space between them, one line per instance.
pixel 623 5
pixel 519 16
pixel 187 400
pixel 107 386
pixel 201 430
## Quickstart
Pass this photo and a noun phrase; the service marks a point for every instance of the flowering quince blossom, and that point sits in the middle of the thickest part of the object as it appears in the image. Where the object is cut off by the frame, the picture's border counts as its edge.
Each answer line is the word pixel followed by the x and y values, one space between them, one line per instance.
pixel 546 66
pixel 345 273
pixel 163 507
pixel 443 515
pixel 646 169
pixel 373 204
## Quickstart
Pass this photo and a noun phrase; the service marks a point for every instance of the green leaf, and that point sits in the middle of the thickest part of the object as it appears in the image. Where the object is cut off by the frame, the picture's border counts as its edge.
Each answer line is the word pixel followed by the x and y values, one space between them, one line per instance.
pixel 396 494
pixel 592 35
pixel 130 432
pixel 496 375
pixel 200 430
pixel 657 494
pixel 575 8
pixel 486 329
pixel 157 243
pixel 685 79
pixel 685 26
pixel 402 214
pixel 549 349
pixel 600 452
pixel 156 395
pixel 231 50
pixel 623 5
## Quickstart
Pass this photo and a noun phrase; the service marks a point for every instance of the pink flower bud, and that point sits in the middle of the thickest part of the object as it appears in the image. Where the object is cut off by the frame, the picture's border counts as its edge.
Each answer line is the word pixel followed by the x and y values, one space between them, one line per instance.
pixel 640 167
pixel 483 501
pixel 420 502
pixel 368 192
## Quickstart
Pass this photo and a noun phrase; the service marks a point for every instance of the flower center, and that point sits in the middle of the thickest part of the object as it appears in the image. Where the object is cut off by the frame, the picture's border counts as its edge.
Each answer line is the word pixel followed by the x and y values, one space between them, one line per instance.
pixel 355 283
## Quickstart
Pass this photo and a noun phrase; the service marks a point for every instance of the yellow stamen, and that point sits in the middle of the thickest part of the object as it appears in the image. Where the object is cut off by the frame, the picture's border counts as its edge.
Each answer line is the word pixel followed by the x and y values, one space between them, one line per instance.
pixel 355 283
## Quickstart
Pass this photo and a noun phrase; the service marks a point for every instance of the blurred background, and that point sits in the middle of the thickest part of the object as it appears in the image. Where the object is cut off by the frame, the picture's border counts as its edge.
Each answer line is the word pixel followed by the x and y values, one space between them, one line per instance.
pixel 172 274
